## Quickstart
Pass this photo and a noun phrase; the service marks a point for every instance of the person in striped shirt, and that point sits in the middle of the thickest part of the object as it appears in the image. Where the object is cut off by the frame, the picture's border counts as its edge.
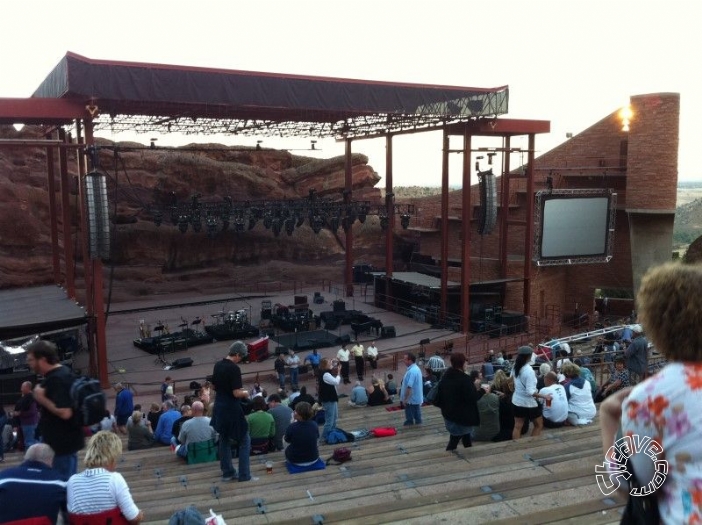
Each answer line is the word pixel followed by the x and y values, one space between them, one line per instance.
pixel 99 489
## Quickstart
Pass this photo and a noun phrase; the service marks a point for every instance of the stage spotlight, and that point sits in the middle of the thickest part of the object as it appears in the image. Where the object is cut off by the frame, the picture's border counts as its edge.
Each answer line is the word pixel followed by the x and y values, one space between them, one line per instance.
pixel 405 220
pixel 289 225
pixel 211 223
pixel 384 221
pixel 183 223
pixel 158 217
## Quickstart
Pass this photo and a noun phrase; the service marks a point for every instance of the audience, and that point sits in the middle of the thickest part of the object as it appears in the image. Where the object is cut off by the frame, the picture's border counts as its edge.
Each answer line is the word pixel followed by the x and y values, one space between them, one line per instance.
pixel 303 396
pixel 154 415
pixel 489 410
pixel 391 386
pixel 359 396
pixel 302 436
pixel 261 427
pixel 139 436
pixel 581 406
pixel 186 414
pixel 32 489
pixel 555 409
pixel 164 429
pixel 282 415
pixel 197 429
pixel 99 489
pixel 618 379
pixel 377 393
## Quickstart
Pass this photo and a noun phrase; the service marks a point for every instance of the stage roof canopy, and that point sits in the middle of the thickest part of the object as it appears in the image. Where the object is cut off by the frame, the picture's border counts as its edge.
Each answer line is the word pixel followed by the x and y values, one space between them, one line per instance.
pixel 30 311
pixel 131 96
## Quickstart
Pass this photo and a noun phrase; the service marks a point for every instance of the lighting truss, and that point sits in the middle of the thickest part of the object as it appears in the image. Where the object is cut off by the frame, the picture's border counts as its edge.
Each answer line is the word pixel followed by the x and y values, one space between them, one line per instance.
pixel 277 216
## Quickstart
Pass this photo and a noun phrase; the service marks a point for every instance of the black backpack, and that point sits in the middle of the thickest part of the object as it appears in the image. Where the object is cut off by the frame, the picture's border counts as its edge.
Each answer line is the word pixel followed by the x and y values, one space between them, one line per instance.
pixel 89 401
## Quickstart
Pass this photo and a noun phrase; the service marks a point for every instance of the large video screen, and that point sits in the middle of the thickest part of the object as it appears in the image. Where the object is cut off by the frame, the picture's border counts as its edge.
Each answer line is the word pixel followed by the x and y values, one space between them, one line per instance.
pixel 574 226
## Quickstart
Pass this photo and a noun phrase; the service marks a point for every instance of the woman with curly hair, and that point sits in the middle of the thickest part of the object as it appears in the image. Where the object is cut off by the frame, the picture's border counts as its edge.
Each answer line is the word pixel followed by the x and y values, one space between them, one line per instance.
pixel 667 407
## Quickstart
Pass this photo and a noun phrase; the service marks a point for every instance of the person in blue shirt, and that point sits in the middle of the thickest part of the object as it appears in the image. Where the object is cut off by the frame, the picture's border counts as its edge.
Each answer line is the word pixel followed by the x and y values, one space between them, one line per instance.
pixel 314 359
pixel 411 394
pixel 32 489
pixel 164 430
pixel 124 407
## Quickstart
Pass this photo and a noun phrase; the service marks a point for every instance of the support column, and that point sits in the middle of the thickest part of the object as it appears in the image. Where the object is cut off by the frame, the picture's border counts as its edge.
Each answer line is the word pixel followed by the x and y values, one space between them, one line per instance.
pixel 529 234
pixel 467 213
pixel 66 219
pixel 389 207
pixel 504 207
pixel 51 187
pixel 348 188
pixel 444 225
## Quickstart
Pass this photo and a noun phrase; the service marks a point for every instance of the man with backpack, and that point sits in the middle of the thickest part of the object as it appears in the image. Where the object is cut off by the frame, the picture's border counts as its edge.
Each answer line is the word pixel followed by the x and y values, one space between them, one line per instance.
pixel 57 425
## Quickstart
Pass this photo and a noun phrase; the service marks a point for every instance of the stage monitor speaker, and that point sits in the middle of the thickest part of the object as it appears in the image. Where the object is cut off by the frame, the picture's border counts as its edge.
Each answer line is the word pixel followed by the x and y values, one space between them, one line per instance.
pixel 387 332
pixel 182 362
pixel 488 202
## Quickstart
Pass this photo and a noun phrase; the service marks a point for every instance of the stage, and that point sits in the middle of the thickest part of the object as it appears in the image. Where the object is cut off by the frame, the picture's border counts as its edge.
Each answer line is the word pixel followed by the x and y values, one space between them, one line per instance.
pixel 302 341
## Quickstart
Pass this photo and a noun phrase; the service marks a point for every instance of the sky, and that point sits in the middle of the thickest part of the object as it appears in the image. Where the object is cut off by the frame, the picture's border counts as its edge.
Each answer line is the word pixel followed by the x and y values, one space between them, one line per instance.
pixel 570 62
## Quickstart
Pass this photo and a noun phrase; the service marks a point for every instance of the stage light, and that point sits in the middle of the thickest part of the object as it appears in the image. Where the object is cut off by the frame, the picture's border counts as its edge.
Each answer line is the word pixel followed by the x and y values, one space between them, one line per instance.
pixel 211 223
pixel 289 226
pixel 405 220
pixel 95 188
pixel 384 221
pixel 183 223
pixel 197 224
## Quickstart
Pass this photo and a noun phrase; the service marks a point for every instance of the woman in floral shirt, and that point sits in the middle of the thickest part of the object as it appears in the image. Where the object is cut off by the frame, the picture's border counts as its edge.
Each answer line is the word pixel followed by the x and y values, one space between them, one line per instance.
pixel 668 406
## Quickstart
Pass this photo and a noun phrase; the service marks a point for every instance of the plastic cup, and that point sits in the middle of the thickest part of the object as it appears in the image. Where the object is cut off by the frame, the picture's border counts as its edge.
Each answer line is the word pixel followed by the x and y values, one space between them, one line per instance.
pixel 269 467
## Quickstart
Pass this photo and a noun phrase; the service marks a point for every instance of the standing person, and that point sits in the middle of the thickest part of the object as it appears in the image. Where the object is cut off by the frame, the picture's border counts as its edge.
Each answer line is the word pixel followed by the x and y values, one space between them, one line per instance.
pixel 165 389
pixel 228 415
pixel 293 362
pixel 343 355
pixel 99 489
pixel 124 407
pixel 27 412
pixel 637 356
pixel 667 407
pixel 279 366
pixel 328 396
pixel 357 351
pixel 58 428
pixel 314 359
pixel 555 409
pixel 372 353
pixel 457 397
pixel 282 415
pixel 32 489
pixel 411 392
pixel 524 398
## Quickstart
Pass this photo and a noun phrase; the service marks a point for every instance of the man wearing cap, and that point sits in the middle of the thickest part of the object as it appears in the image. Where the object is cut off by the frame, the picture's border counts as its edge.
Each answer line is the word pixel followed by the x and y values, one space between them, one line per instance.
pixel 637 355
pixel 228 417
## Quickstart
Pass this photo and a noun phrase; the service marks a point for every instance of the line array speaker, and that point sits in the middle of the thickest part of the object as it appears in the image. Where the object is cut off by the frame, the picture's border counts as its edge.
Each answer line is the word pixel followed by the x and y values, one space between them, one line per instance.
pixel 488 202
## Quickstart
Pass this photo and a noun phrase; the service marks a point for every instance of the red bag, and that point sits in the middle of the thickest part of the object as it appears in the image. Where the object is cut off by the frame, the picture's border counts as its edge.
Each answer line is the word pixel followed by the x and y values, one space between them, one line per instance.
pixel 380 432
pixel 341 455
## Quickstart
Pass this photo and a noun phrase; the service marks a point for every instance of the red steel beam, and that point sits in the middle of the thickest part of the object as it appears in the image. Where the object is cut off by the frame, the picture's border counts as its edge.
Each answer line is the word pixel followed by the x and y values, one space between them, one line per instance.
pixel 40 110
pixel 444 225
pixel 504 212
pixel 500 127
pixel 529 237
pixel 389 209
pixel 466 213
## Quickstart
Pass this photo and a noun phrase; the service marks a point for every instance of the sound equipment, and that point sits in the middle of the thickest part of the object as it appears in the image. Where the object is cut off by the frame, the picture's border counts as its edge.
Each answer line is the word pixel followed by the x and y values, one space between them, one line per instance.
pixel 488 202
pixel 387 331
pixel 182 362
pixel 343 339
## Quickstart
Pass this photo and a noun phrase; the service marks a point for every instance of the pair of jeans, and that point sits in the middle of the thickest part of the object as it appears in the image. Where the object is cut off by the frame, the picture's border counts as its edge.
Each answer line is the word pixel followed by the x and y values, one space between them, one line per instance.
pixel 66 465
pixel 293 377
pixel 281 380
pixel 225 458
pixel 28 433
pixel 331 411
pixel 413 415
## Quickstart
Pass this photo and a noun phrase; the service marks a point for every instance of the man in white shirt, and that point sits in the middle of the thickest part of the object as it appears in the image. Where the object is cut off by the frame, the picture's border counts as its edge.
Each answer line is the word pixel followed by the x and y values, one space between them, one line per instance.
pixel 372 353
pixel 553 395
pixel 293 362
pixel 343 355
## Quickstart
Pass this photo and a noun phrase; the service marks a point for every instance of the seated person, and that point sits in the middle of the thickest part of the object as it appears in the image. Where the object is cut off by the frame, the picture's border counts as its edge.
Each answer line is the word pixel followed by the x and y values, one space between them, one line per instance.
pixel 186 414
pixel 139 436
pixel 586 374
pixel 618 379
pixel 100 489
pixel 503 387
pixel 282 415
pixel 562 358
pixel 391 386
pixel 303 396
pixel 359 396
pixel 303 437
pixel 108 423
pixel 488 370
pixel 377 393
pixel 553 395
pixel 261 427
pixel 544 369
pixel 143 420
pixel 195 430
pixel 293 396
pixel 436 364
pixel 154 415
pixel 164 429
pixel 489 410
pixel 581 407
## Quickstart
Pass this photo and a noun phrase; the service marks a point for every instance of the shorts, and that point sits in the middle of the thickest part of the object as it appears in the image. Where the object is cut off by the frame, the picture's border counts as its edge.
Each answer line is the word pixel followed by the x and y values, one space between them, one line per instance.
pixel 530 413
